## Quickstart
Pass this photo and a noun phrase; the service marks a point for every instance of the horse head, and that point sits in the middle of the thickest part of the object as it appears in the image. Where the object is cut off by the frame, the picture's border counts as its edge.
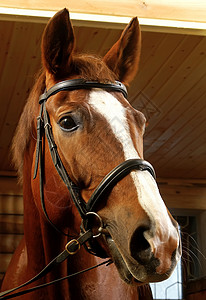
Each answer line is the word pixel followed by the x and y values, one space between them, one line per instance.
pixel 95 129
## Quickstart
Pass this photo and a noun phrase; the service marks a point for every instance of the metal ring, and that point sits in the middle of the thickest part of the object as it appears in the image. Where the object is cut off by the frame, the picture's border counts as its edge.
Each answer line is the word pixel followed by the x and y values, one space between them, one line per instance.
pixel 99 219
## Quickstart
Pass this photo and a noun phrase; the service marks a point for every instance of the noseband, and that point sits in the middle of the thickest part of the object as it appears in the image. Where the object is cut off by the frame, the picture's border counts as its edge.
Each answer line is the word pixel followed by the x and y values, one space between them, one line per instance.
pixel 109 181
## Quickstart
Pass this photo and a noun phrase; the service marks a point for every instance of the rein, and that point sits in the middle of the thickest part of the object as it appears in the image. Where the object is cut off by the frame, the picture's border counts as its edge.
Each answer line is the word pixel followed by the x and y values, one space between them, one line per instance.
pixel 71 248
pixel 85 209
pixel 107 263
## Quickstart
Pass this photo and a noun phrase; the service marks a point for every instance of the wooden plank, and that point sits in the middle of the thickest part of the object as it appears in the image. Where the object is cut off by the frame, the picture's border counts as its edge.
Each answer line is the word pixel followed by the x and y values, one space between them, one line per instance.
pixel 181 182
pixel 183 157
pixel 23 48
pixel 1 278
pixel 187 114
pixel 195 286
pixel 11 205
pixel 193 161
pixel 6 34
pixel 10 186
pixel 11 224
pixel 8 174
pixel 100 39
pixel 158 56
pixel 181 47
pixel 9 242
pixel 167 9
pixel 188 72
pixel 17 49
pixel 174 100
pixel 150 44
pixel 154 16
pixel 96 37
pixel 5 259
pixel 14 62
pixel 186 197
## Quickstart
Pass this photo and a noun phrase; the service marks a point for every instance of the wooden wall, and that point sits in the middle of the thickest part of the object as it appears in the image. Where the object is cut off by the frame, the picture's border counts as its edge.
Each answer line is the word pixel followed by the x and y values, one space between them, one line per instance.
pixel 11 220
pixel 197 296
pixel 196 290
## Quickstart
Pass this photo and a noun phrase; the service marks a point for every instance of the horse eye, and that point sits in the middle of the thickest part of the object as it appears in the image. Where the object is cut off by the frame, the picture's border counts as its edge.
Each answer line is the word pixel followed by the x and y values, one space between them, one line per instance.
pixel 68 124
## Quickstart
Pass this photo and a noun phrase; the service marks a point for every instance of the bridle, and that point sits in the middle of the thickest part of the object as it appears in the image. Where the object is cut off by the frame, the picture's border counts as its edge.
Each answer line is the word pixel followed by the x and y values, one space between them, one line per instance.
pixel 86 210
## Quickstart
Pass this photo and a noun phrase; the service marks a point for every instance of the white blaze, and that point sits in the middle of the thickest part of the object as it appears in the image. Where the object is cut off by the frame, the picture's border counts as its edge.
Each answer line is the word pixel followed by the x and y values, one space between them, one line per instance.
pixel 115 114
pixel 147 191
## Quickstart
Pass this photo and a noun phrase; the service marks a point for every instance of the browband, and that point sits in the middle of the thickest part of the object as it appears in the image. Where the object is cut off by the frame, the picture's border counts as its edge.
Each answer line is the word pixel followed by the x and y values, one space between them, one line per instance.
pixel 76 84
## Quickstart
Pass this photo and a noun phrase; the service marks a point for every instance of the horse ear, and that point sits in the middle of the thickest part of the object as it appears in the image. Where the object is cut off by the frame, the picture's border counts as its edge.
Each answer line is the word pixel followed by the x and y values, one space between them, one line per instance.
pixel 58 43
pixel 123 57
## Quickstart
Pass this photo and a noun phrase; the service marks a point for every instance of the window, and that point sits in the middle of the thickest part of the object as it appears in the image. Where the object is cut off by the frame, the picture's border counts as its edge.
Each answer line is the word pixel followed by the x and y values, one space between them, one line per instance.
pixel 190 266
pixel 170 288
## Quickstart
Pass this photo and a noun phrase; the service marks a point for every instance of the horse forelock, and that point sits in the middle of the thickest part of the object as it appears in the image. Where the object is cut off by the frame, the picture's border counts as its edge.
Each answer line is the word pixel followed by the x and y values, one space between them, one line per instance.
pixel 89 67
pixel 92 67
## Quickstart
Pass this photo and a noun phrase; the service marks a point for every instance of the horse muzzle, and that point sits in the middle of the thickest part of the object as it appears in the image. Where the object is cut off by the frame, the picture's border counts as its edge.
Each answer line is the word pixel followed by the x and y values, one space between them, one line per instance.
pixel 143 261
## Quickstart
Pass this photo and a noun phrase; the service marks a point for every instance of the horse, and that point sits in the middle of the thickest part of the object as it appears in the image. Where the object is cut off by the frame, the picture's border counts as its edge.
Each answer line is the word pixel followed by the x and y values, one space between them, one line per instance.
pixel 78 149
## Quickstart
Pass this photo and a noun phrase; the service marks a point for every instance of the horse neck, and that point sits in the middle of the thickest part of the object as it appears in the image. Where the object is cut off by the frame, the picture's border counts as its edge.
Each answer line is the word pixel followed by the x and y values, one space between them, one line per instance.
pixel 43 243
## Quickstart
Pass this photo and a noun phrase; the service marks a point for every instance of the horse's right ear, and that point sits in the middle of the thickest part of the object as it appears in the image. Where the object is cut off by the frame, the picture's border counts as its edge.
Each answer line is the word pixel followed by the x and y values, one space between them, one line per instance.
pixel 58 44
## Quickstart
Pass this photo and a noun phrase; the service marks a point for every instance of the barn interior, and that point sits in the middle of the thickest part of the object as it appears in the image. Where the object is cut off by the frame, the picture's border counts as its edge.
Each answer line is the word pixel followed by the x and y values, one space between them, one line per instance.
pixel 170 89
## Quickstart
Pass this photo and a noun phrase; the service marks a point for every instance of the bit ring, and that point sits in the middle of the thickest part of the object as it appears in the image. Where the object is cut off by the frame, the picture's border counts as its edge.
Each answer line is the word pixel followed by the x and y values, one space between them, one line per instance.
pixel 91 213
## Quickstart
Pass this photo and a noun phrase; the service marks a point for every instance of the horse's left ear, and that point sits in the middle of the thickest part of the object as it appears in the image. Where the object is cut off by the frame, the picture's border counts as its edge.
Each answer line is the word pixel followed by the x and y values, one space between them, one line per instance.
pixel 57 44
pixel 123 57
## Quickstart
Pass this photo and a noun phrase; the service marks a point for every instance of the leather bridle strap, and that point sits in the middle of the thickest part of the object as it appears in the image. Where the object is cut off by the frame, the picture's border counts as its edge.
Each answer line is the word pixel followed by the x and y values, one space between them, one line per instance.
pixel 73 189
pixel 43 125
pixel 43 121
pixel 108 182
pixel 71 248
pixel 77 84
pixel 116 175
pixel 33 289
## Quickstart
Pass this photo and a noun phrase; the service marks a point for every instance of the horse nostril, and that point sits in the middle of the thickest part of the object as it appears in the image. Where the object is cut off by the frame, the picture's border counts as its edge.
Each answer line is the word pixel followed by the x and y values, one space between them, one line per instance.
pixel 139 246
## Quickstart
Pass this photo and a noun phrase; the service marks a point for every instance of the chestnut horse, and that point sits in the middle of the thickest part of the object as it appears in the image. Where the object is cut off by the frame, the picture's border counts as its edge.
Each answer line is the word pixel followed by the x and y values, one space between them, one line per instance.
pixel 95 129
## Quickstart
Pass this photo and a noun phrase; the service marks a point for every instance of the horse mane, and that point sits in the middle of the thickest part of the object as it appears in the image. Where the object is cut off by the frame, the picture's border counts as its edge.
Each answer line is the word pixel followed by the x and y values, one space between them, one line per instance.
pixel 88 67
pixel 24 130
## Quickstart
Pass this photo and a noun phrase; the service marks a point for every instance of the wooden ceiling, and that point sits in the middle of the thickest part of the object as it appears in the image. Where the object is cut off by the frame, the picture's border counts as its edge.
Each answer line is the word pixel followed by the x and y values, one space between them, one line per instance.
pixel 170 89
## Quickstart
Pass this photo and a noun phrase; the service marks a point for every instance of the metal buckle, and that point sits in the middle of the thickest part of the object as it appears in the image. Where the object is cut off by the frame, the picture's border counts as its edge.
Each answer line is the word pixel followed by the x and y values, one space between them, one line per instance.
pixel 69 244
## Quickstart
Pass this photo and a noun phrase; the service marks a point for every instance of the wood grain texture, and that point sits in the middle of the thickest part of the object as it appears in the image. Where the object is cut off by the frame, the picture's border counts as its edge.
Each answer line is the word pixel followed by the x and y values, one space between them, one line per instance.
pixel 168 9
pixel 169 89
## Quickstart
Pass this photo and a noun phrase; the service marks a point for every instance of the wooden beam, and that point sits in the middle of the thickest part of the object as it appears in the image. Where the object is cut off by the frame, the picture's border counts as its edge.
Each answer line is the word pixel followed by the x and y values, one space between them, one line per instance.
pixel 154 15
pixel 181 197
pixel 9 242
pixel 8 174
pixel 186 194
pixel 12 205
pixel 184 10
pixel 11 224
pixel 9 186
pixel 5 259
